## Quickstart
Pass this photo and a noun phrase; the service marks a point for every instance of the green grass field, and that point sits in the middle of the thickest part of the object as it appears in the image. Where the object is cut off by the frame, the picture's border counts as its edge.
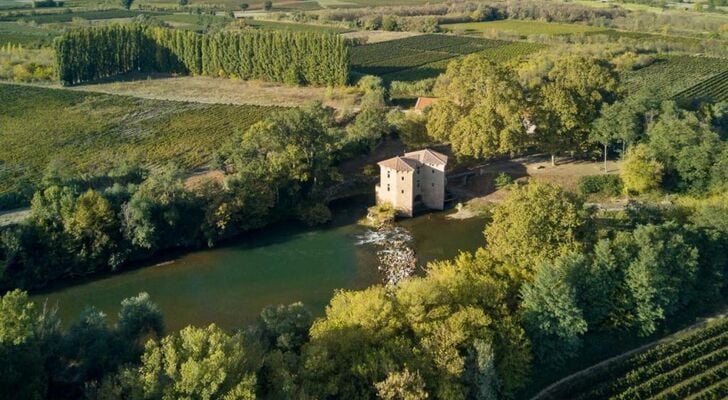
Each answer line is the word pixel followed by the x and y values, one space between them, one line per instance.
pixel 92 131
pixel 520 27
pixel 26 35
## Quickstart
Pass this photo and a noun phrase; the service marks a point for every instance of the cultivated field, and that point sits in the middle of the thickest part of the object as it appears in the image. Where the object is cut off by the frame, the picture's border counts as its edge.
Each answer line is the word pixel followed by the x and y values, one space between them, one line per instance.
pixel 56 17
pixel 692 366
pixel 520 27
pixel 713 89
pixel 500 54
pixel 426 56
pixel 670 75
pixel 26 35
pixel 90 131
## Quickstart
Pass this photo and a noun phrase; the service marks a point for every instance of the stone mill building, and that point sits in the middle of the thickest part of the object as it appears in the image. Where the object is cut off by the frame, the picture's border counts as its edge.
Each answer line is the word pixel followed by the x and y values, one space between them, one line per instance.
pixel 415 180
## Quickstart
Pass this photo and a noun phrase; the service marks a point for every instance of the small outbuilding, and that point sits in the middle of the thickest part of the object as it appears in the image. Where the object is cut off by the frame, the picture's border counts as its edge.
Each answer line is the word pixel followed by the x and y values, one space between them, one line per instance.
pixel 413 180
pixel 424 102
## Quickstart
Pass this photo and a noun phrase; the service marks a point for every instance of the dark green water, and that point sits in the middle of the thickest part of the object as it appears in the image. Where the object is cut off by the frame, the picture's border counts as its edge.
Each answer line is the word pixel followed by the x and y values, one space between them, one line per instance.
pixel 230 285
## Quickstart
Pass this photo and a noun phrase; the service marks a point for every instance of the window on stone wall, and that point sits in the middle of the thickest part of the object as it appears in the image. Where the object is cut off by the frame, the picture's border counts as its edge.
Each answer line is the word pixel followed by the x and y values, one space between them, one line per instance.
pixel 387 174
pixel 433 185
pixel 403 178
pixel 402 191
pixel 388 187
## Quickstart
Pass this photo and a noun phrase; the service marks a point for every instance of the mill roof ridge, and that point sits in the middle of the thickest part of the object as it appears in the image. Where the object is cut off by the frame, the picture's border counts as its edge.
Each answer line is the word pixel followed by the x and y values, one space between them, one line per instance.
pixel 428 156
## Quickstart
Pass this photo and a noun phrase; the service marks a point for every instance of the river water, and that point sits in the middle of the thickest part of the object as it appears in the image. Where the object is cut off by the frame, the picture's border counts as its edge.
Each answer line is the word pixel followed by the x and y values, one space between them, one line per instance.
pixel 229 285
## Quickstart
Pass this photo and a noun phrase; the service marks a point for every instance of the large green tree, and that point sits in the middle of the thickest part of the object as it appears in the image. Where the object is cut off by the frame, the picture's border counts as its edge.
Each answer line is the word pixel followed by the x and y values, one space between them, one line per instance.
pixel 198 363
pixel 22 374
pixel 685 145
pixel 661 274
pixel 481 111
pixel 569 101
pixel 535 224
pixel 551 311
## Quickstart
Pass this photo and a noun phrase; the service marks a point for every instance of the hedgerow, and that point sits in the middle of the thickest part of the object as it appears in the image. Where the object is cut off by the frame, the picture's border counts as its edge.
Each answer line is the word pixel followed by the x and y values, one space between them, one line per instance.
pixel 292 57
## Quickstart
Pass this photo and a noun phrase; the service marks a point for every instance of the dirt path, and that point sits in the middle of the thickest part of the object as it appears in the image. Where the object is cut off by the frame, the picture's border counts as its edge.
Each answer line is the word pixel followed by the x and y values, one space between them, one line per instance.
pixel 480 190
pixel 546 394
pixel 199 89
pixel 15 216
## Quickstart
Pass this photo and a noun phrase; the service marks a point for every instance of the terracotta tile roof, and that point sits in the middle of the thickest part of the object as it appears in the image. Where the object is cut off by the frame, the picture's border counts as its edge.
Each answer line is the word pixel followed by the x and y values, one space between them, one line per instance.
pixel 424 102
pixel 428 156
pixel 399 163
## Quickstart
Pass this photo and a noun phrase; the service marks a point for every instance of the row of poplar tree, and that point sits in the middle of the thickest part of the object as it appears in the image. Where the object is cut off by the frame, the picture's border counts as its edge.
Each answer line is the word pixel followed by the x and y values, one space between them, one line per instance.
pixel 301 58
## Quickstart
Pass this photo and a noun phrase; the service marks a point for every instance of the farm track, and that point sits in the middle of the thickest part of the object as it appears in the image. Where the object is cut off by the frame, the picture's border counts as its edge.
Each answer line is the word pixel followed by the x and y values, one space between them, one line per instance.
pixel 211 91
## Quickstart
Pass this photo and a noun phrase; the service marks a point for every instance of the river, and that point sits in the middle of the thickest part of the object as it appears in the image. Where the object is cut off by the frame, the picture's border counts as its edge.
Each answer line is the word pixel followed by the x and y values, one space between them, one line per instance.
pixel 229 285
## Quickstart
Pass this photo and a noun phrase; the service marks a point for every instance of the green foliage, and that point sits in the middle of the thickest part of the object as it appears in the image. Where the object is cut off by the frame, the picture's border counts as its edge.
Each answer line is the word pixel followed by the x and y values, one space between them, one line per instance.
pixel 17 318
pixel 411 128
pixel 158 211
pixel 368 128
pixel 504 53
pixel 279 56
pixel 489 109
pixel 570 100
pixel 39 358
pixel 285 327
pixel 536 224
pixel 21 369
pixel 551 312
pixel 403 385
pixel 203 363
pixel 126 3
pixel 661 276
pixel 503 180
pixel 686 146
pixel 139 317
pixel 450 328
pixel 640 173
pixel 618 121
pixel 609 185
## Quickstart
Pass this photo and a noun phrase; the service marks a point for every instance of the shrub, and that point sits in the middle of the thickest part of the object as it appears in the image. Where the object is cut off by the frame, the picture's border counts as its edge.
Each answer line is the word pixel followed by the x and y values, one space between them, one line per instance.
pixel 640 173
pixel 610 185
pixel 503 180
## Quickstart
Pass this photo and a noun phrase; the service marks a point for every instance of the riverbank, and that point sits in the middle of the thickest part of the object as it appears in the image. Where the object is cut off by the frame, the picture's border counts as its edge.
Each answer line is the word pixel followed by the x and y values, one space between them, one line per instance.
pixel 282 264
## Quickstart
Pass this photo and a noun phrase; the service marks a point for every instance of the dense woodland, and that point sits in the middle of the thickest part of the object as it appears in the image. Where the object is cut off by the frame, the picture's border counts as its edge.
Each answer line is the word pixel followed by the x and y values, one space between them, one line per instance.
pixel 292 57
